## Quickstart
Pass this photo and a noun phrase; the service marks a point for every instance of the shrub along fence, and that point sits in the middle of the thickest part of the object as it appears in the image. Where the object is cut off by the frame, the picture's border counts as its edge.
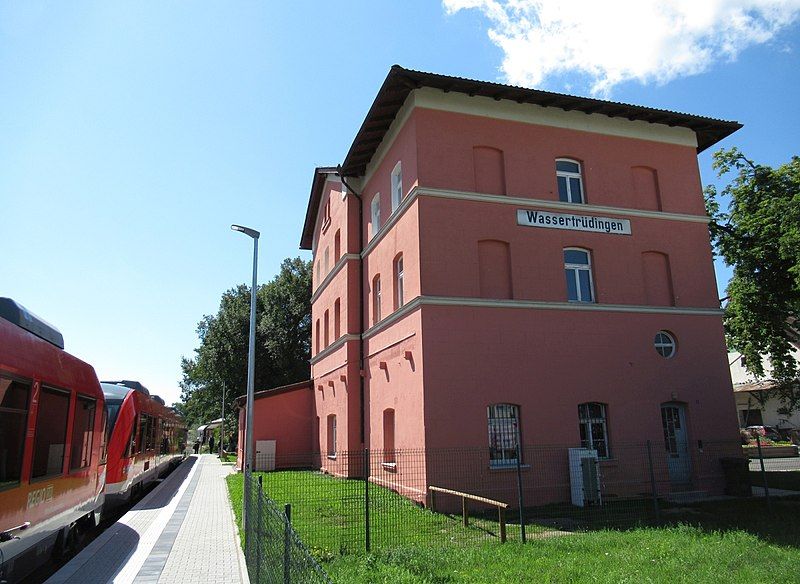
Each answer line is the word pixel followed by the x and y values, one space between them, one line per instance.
pixel 346 502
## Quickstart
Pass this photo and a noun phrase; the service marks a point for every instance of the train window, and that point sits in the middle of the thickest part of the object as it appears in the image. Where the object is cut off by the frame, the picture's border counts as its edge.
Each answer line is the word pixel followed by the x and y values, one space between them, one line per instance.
pixel 151 433
pixel 13 419
pixel 165 435
pixel 82 433
pixel 142 432
pixel 51 433
pixel 131 448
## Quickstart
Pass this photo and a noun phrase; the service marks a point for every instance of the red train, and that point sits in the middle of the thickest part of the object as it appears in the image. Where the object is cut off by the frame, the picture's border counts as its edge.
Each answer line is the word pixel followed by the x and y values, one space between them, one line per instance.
pixel 146 439
pixel 60 441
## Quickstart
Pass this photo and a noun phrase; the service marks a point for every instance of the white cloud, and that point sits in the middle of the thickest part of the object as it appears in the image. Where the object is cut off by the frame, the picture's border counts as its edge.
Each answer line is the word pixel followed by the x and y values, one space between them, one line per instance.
pixel 611 41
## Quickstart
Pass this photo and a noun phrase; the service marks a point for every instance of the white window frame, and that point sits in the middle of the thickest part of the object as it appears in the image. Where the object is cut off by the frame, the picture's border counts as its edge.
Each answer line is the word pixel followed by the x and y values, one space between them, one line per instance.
pixel 661 345
pixel 586 422
pixel 504 435
pixel 376 299
pixel 399 283
pixel 576 269
pixel 397 185
pixel 375 215
pixel 567 176
pixel 332 436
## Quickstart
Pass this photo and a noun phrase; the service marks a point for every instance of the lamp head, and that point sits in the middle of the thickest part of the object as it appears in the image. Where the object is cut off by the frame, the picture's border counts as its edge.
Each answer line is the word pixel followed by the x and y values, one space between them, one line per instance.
pixel 246 230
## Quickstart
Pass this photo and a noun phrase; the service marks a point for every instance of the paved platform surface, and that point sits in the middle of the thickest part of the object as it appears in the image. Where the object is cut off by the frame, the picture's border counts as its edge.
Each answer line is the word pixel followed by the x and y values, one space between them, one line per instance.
pixel 182 531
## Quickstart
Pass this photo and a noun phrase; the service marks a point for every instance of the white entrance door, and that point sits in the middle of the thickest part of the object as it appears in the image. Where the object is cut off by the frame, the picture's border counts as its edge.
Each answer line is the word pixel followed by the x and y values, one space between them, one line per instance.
pixel 676 443
pixel 265 455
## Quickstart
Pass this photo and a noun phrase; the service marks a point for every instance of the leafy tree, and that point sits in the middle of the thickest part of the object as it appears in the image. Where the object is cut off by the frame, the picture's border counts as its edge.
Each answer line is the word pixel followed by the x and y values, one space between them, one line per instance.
pixel 283 345
pixel 759 235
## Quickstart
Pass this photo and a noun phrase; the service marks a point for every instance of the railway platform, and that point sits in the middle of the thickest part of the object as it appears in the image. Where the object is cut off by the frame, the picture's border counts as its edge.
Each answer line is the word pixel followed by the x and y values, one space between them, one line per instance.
pixel 182 531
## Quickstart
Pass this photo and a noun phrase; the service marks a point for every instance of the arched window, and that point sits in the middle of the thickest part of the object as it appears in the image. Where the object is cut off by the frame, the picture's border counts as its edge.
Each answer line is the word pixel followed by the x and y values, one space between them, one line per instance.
pixel 398 282
pixel 376 299
pixel 657 279
pixel 332 435
pixel 327 262
pixel 388 436
pixel 645 187
pixel 578 271
pixel 319 348
pixel 337 332
pixel 490 171
pixel 375 215
pixel 592 418
pixel 397 186
pixel 337 246
pixel 503 434
pixel 570 181
pixel 494 269
pixel 326 328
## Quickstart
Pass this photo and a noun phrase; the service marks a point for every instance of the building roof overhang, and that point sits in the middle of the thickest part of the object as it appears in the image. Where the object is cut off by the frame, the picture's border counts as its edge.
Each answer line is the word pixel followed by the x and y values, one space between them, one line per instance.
pixel 321 174
pixel 264 393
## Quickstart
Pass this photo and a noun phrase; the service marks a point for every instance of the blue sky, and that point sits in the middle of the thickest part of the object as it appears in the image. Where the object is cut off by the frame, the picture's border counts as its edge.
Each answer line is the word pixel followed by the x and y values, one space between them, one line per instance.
pixel 135 133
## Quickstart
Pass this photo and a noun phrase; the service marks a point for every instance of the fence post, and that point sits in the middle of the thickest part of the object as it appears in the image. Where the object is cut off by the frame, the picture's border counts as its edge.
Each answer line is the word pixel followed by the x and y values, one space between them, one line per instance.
pixel 256 530
pixel 287 544
pixel 653 488
pixel 366 499
pixel 763 473
pixel 519 493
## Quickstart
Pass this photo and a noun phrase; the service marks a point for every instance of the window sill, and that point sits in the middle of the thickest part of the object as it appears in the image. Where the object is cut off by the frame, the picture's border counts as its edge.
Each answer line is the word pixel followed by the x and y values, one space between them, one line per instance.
pixel 390 466
pixel 508 467
pixel 331 457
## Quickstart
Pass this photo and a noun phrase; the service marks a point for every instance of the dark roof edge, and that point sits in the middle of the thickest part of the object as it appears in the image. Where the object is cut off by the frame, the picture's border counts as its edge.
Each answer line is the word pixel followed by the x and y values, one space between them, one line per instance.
pixel 307 384
pixel 400 82
pixel 320 174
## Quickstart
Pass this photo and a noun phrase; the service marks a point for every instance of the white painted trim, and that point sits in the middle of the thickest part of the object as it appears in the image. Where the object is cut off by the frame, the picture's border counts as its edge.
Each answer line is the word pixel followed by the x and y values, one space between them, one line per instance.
pixel 332 274
pixel 533 305
pixel 550 204
pixel 333 346
pixel 528 113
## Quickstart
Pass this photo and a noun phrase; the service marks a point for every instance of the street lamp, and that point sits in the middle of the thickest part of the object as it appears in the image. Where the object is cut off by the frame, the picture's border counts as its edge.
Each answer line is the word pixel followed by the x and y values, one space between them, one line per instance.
pixel 251 364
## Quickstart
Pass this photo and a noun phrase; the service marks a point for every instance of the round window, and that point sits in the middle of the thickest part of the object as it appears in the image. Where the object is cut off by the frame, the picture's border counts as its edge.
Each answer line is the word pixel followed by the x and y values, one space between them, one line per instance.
pixel 665 344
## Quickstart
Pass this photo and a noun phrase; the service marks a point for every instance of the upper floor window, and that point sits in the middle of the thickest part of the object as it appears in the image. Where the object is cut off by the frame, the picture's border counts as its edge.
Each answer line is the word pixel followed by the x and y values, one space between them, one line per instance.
pixel 337 246
pixel 398 282
pixel 570 183
pixel 318 281
pixel 326 328
pixel 578 270
pixel 593 427
pixel 376 299
pixel 397 186
pixel 337 319
pixel 332 435
pixel 375 215
pixel 327 262
pixel 503 434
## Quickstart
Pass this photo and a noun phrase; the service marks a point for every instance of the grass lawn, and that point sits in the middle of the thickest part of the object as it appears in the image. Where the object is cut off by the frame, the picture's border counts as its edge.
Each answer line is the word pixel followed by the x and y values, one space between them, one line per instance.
pixel 714 542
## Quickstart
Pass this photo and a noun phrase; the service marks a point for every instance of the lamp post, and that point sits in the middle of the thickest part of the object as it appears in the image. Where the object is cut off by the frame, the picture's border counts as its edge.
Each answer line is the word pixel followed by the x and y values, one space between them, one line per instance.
pixel 251 364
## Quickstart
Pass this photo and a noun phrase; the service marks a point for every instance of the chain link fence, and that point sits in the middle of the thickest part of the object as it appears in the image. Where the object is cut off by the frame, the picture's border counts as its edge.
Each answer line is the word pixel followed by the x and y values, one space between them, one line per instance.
pixel 274 552
pixel 352 502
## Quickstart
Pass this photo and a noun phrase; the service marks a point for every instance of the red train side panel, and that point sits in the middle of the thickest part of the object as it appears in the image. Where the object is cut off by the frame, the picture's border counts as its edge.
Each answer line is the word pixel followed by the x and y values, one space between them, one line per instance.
pixel 52 442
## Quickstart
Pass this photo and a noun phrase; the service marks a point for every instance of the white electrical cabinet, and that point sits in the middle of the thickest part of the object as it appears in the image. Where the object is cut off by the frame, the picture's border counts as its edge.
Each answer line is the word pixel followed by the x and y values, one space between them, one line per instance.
pixel 584 477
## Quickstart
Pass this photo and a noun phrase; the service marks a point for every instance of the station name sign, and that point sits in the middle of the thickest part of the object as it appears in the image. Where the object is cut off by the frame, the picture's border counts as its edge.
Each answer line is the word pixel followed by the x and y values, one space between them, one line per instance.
pixel 573 222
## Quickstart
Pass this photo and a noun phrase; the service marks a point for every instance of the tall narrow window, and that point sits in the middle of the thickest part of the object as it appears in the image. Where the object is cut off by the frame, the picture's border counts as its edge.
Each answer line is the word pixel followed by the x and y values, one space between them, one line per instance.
pixel 570 182
pixel 397 186
pixel 319 347
pixel 494 269
pixel 388 436
pixel 593 427
pixel 503 434
pixel 327 262
pixel 490 171
pixel 14 398
pixel 326 329
pixel 51 433
pixel 657 279
pixel 578 270
pixel 398 282
pixel 318 279
pixel 375 216
pixel 337 317
pixel 337 246
pixel 332 435
pixel 376 299
pixel 82 432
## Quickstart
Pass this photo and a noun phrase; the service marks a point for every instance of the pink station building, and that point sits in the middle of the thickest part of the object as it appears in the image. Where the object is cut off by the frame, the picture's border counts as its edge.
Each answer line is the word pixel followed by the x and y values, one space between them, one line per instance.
pixel 496 265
